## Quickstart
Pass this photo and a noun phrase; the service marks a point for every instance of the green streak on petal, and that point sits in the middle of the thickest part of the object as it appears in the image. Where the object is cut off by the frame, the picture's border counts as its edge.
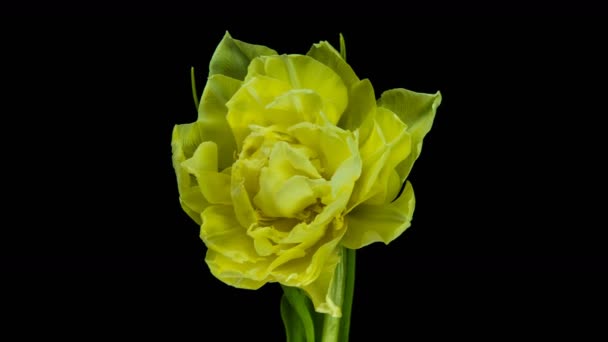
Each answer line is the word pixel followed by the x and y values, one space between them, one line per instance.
pixel 212 116
pixel 185 139
pixel 232 57
pixel 319 290
pixel 417 111
pixel 326 54
pixel 379 223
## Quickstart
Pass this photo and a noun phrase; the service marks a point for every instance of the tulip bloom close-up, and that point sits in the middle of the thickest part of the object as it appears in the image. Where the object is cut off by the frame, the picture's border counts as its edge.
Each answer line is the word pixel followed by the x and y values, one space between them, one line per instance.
pixel 292 162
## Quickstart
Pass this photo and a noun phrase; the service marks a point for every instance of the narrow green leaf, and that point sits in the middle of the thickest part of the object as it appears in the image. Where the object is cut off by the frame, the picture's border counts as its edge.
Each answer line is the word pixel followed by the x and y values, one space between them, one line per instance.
pixel 292 322
pixel 298 302
pixel 342 47
pixel 194 92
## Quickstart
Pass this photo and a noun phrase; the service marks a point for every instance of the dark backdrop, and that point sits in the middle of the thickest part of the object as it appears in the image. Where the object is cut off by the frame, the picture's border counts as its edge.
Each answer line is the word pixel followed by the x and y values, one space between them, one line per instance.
pixel 509 186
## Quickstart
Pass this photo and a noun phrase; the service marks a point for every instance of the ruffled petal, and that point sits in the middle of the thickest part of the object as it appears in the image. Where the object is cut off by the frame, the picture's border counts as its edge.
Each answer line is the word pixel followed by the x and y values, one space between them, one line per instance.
pixel 222 233
pixel 328 55
pixel 387 145
pixel 232 57
pixel 248 106
pixel 417 111
pixel 184 141
pixel 304 72
pixel 203 165
pixel 367 224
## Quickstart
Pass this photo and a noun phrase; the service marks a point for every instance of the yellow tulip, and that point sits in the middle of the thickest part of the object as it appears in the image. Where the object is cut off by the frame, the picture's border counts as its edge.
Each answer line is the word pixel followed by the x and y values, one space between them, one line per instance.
pixel 292 158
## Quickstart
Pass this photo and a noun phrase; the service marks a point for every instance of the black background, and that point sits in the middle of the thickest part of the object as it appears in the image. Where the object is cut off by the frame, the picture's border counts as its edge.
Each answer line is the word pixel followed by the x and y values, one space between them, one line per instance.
pixel 508 229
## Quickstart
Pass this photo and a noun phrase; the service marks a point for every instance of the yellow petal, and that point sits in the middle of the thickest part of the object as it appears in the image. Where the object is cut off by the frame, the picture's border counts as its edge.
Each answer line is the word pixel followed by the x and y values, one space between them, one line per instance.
pixel 248 106
pixel 203 165
pixel 289 183
pixel 243 209
pixel 319 289
pixel 241 275
pixel 367 224
pixel 417 111
pixel 326 54
pixel 386 146
pixel 222 233
pixel 184 140
pixel 304 72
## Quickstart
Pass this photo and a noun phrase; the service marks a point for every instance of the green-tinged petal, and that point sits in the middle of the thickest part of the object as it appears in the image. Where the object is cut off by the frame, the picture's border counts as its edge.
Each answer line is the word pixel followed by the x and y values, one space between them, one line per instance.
pixel 222 233
pixel 212 116
pixel 417 111
pixel 242 275
pixel 193 202
pixel 367 224
pixel 203 165
pixel 361 109
pixel 304 72
pixel 319 290
pixel 184 141
pixel 326 54
pixel 232 57
pixel 243 209
pixel 319 247
pixel 387 145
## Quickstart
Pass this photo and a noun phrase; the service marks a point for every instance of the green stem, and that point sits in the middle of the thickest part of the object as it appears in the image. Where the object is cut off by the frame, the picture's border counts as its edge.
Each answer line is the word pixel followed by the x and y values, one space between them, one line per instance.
pixel 349 290
pixel 335 329
pixel 194 92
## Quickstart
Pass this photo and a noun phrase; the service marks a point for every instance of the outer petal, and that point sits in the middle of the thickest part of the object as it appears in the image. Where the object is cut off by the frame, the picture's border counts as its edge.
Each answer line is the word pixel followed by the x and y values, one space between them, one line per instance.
pixel 361 109
pixel 417 111
pixel 184 141
pixel 232 57
pixel 387 145
pixel 326 54
pixel 212 116
pixel 367 224
pixel 241 275
pixel 318 290
pixel 222 233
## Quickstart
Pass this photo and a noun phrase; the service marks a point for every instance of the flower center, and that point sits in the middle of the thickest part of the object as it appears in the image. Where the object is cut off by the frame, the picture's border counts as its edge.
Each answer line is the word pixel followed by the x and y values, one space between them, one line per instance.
pixel 285 178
